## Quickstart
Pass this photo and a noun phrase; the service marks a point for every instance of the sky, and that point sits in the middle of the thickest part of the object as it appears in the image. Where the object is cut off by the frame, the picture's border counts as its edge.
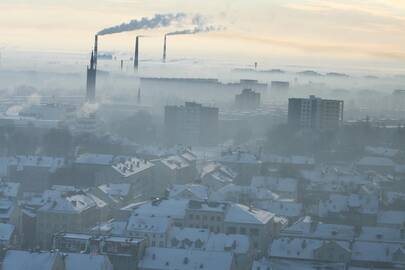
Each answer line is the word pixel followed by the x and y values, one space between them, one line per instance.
pixel 304 32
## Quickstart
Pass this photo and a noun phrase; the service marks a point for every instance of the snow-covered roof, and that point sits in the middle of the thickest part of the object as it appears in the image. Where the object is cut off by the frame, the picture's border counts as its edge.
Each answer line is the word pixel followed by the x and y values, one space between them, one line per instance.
pixel 198 191
pixel 229 191
pixel 120 190
pixel 338 203
pixel 376 161
pixel 293 160
pixel 6 208
pixel 23 260
pixel 236 243
pixel 185 259
pixel 285 208
pixel 238 213
pixel 334 175
pixel 69 202
pixel 301 248
pixel 51 163
pixel 95 159
pixel 189 156
pixel 396 218
pixel 112 227
pixel 381 234
pixel 306 228
pixel 130 166
pixel 163 208
pixel 375 252
pixel 74 261
pixel 159 151
pixel 382 151
pixel 287 264
pixel 148 224
pixel 175 162
pixel 276 184
pixel 239 157
pixel 219 171
pixel 302 160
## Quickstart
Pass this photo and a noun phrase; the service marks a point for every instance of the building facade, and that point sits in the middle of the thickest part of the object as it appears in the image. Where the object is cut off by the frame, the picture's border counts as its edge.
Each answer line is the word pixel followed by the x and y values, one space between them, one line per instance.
pixel 191 124
pixel 315 113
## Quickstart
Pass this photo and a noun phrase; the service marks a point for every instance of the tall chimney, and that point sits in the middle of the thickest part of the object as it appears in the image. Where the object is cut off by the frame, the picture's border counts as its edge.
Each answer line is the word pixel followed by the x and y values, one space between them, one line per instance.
pixel 136 57
pixel 95 50
pixel 164 49
pixel 91 80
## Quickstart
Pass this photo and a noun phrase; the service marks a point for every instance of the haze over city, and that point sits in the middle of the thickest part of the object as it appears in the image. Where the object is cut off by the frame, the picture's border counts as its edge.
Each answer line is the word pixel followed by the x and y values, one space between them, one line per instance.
pixel 334 33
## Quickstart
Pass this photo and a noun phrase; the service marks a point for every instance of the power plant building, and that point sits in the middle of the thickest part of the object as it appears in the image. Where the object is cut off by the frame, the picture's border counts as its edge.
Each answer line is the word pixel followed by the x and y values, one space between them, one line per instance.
pixel 315 113
pixel 192 124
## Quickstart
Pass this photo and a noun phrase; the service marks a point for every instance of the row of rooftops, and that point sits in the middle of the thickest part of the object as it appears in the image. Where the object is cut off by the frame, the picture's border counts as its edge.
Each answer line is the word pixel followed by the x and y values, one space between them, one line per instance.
pixel 308 228
pixel 177 208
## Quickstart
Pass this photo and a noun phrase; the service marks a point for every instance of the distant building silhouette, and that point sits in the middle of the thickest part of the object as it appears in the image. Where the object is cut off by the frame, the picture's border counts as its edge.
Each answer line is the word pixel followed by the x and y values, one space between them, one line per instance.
pixel 192 124
pixel 247 100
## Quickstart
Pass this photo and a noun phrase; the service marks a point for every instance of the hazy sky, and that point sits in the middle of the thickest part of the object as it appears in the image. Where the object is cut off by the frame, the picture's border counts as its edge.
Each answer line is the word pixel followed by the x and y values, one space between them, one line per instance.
pixel 362 30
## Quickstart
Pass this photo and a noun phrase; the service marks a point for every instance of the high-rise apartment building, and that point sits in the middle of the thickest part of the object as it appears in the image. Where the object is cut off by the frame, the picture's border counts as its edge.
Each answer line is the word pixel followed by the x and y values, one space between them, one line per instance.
pixel 314 113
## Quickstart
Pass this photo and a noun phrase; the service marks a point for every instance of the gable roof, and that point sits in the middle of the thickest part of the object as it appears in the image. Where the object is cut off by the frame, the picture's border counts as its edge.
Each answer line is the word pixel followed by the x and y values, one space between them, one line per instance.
pixel 23 260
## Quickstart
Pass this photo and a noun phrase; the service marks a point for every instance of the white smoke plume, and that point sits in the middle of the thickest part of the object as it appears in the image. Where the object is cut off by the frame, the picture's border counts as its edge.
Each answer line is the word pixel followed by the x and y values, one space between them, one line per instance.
pixel 87 109
pixel 196 30
pixel 157 21
pixel 197 23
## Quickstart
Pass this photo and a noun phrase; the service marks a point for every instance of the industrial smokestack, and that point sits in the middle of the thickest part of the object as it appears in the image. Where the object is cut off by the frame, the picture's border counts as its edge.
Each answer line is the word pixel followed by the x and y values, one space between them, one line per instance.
pixel 164 49
pixel 91 80
pixel 136 57
pixel 95 50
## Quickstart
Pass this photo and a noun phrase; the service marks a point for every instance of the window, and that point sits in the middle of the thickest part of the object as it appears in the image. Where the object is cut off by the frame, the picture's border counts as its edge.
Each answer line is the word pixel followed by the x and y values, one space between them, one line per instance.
pixel 242 230
pixel 218 218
